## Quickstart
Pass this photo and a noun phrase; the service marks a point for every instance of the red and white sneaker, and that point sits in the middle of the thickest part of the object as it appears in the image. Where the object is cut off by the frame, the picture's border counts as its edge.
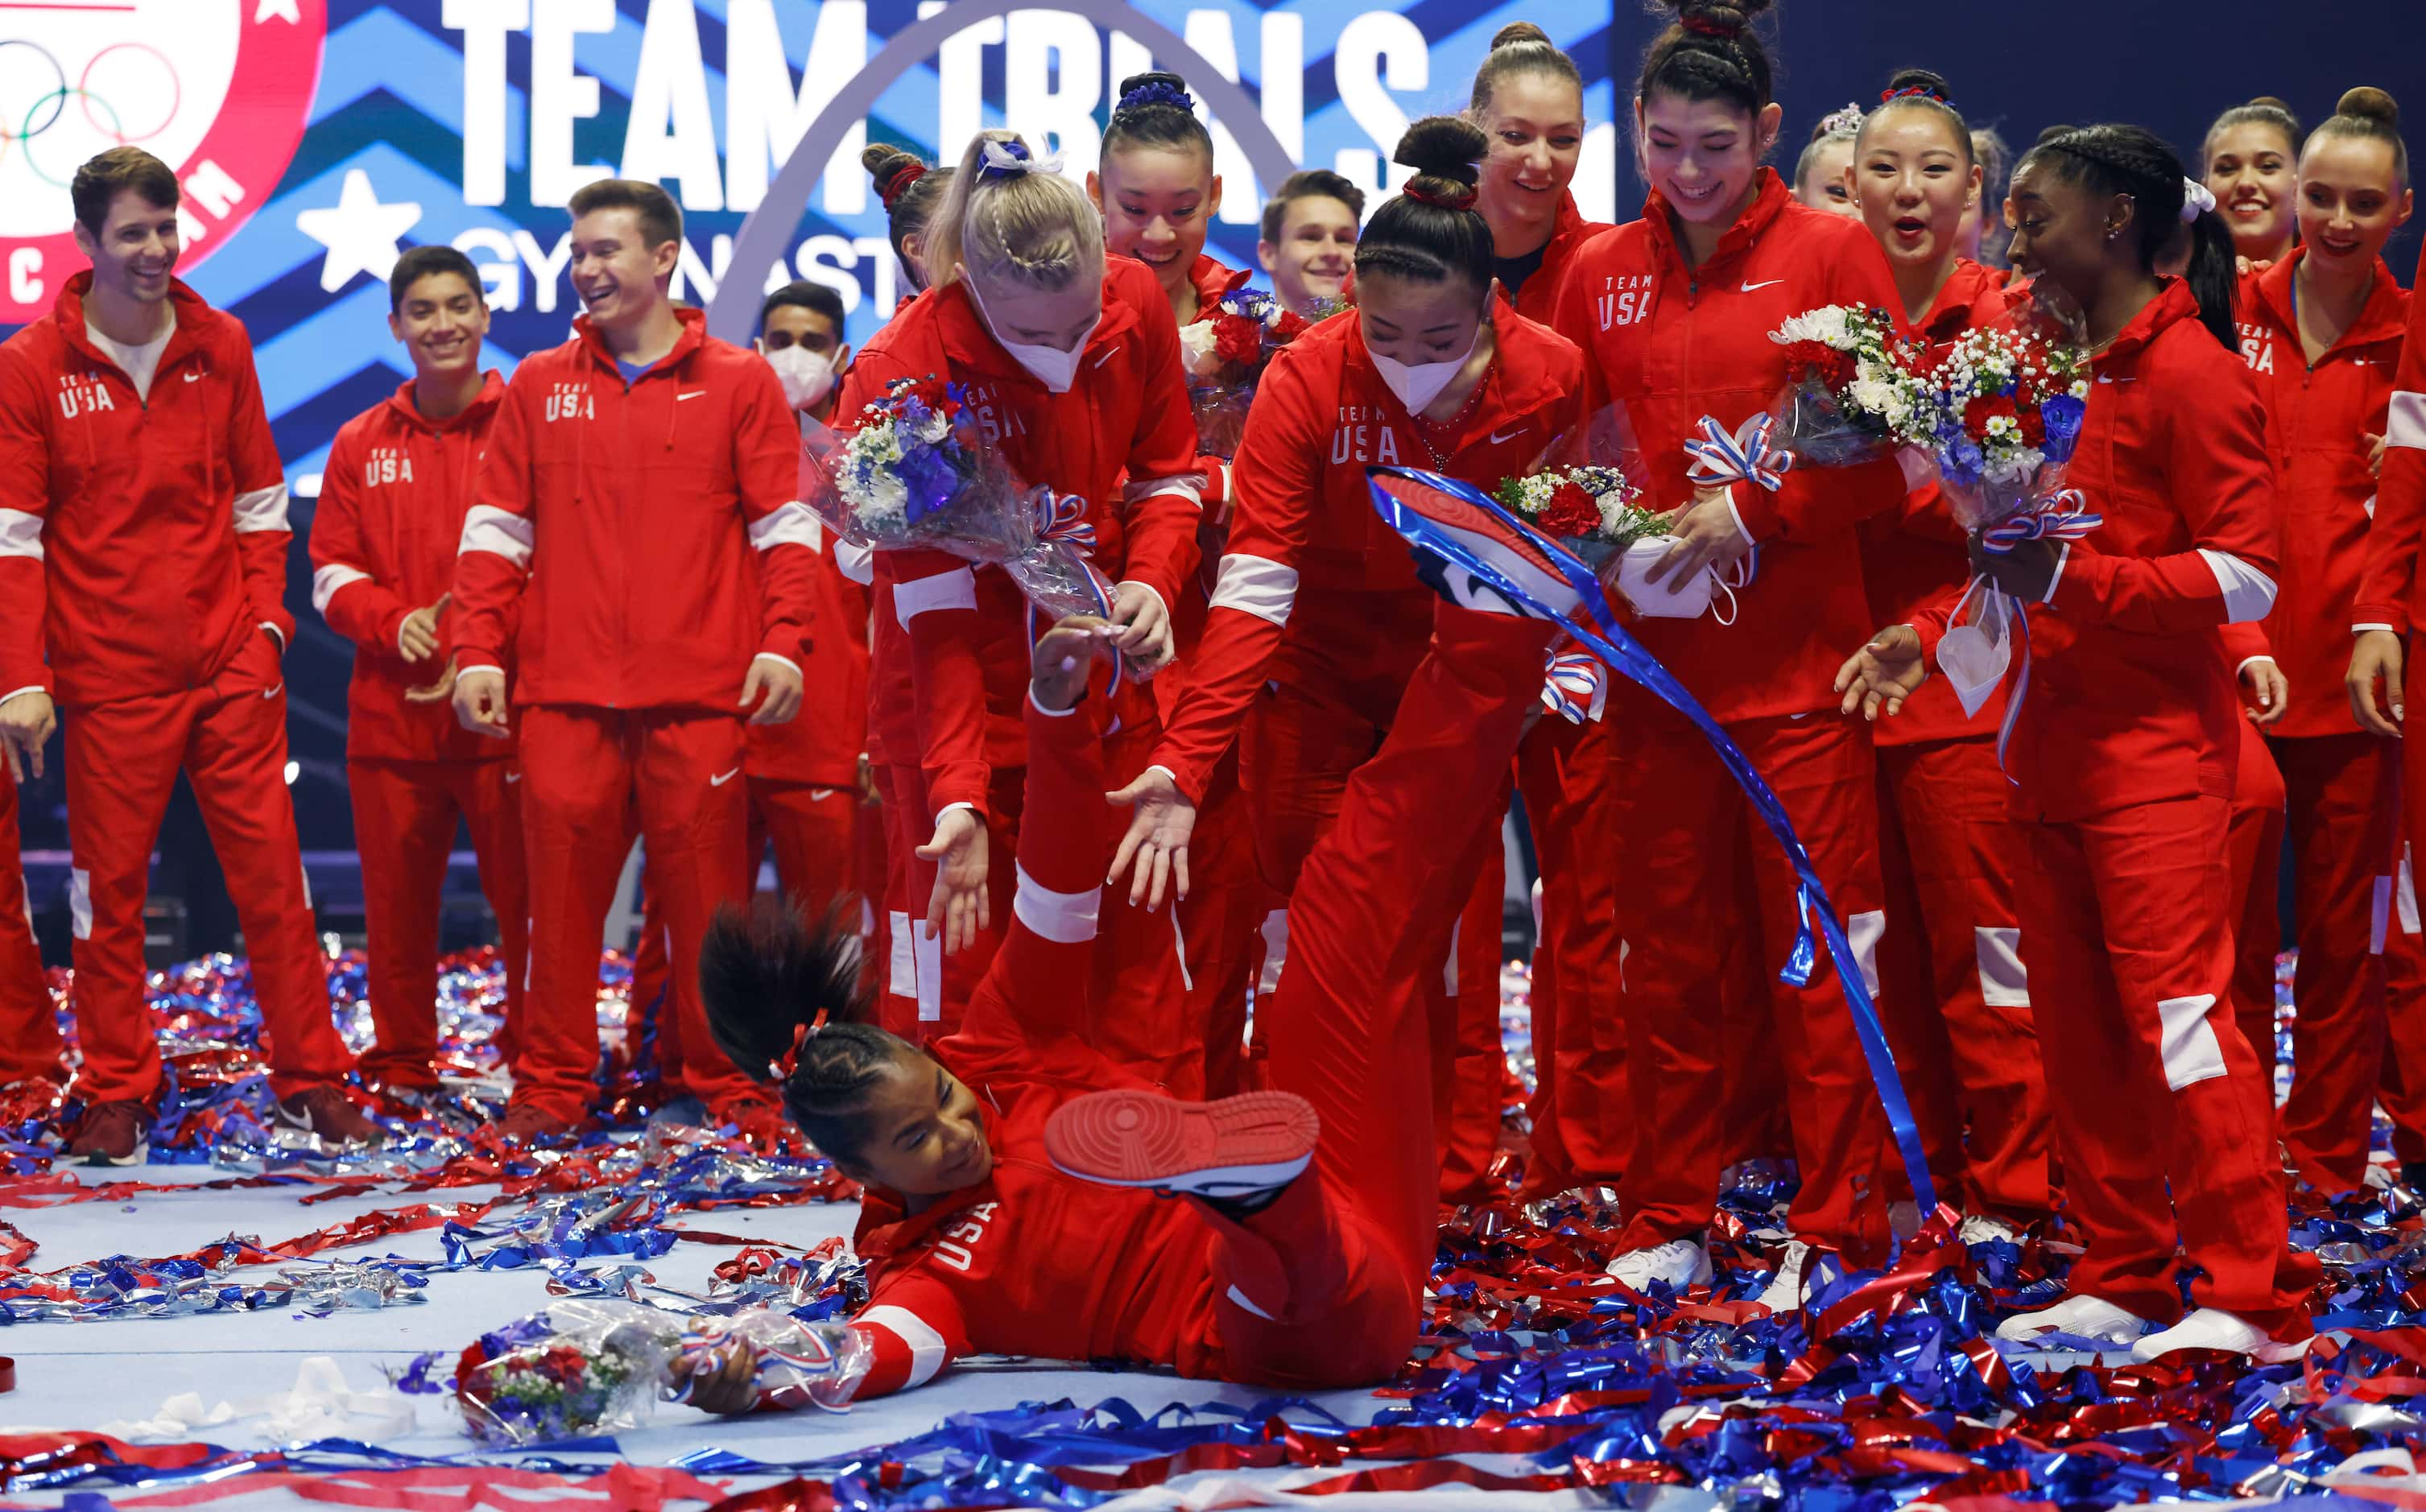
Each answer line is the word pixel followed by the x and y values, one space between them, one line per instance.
pixel 1239 1147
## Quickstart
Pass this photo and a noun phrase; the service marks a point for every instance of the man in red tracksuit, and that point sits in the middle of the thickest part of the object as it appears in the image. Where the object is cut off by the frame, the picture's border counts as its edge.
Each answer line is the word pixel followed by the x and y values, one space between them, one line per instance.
pixel 641 464
pixel 392 505
pixel 142 583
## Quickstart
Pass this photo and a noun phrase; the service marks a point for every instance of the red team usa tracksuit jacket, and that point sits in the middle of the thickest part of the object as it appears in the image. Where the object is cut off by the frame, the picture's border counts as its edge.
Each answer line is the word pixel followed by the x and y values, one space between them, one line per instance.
pixel 2124 764
pixel 1121 439
pixel 1672 344
pixel 623 517
pixel 1317 622
pixel 142 581
pixel 2342 784
pixel 393 499
pixel 1953 991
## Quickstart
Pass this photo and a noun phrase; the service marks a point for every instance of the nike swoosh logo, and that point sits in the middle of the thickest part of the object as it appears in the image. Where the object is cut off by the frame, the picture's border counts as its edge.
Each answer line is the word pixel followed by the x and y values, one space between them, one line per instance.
pixel 512 778
pixel 719 781
pixel 1496 437
pixel 193 378
pixel 271 692
pixel 695 393
pixel 1105 358
pixel 1768 283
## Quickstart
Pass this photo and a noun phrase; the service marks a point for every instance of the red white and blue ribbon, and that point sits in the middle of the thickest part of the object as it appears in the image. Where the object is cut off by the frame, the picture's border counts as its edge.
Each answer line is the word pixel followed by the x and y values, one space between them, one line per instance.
pixel 1575 686
pixel 1745 457
pixel 2067 518
pixel 1065 517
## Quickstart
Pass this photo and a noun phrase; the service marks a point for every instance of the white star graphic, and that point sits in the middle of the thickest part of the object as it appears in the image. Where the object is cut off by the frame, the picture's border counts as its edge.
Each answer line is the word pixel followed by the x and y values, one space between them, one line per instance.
pixel 359 232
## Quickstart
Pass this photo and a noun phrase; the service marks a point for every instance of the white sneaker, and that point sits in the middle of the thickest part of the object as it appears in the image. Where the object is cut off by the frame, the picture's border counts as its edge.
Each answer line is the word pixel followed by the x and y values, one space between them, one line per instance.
pixel 1784 1292
pixel 1680 1262
pixel 2083 1316
pixel 1980 1229
pixel 2213 1328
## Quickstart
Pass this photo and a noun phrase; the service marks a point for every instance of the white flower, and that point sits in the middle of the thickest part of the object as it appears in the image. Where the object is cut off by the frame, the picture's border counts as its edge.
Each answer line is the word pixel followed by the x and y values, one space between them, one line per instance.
pixel 1196 350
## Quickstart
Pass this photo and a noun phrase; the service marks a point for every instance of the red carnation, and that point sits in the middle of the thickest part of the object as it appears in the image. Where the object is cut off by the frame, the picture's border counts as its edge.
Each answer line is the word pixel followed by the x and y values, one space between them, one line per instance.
pixel 1569 512
pixel 1984 409
pixel 1289 327
pixel 1238 339
pixel 1838 370
pixel 2033 426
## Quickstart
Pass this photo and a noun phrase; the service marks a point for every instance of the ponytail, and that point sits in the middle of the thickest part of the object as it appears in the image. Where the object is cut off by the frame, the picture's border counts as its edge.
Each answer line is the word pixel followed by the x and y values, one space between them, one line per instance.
pixel 771 981
pixel 2120 159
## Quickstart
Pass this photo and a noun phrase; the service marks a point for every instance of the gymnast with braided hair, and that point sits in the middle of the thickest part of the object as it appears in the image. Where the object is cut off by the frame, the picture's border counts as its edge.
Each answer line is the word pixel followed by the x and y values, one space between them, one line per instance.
pixel 1016 1178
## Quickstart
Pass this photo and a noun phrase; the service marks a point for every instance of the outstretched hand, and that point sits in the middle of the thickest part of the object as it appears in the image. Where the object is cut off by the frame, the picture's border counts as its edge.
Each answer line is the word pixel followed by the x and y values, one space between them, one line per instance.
pixel 958 910
pixel 1162 819
pixel 1882 673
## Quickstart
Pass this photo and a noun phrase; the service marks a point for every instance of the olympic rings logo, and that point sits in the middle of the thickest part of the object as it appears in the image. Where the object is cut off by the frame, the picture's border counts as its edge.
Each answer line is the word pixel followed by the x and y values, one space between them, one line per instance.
pixel 49 105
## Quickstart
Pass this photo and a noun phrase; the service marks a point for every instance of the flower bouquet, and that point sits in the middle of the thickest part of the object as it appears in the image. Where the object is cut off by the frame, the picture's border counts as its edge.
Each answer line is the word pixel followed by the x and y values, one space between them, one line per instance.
pixel 1851 392
pixel 2002 412
pixel 1590 510
pixel 588 1366
pixel 1224 353
pixel 918 474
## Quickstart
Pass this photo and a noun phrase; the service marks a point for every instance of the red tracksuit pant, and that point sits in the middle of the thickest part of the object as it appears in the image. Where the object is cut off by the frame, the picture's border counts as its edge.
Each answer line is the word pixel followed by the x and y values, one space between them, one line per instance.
pixel 228 736
pixel 2344 816
pixel 29 1026
pixel 1954 997
pixel 404 828
pixel 1580 1113
pixel 1336 1266
pixel 1298 753
pixel 2401 1088
pixel 587 773
pixel 2255 838
pixel 2161 1109
pixel 1218 923
pixel 1690 844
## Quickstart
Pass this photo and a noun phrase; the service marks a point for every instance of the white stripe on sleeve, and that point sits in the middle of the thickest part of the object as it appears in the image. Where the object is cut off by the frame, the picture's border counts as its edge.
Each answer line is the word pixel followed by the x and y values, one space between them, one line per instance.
pixel 21 534
pixel 2248 593
pixel 926 1346
pixel 328 580
pixel 955 590
pixel 792 525
pixel 858 563
pixel 487 529
pixel 1189 486
pixel 1257 585
pixel 260 510
pixel 1064 918
pixel 2407 425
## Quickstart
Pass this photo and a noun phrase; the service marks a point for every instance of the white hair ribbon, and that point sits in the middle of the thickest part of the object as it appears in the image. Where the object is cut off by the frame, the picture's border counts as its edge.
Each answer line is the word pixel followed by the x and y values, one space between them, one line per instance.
pixel 998 161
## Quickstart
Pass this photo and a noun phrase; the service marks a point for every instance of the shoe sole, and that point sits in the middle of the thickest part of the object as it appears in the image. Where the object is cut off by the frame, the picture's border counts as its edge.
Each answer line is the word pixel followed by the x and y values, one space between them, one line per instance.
pixel 1231 1148
pixel 1700 1273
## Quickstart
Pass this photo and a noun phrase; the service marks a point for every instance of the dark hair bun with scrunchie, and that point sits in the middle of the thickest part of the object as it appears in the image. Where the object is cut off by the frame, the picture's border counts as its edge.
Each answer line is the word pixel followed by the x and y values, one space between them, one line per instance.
pixel 1920 83
pixel 1156 110
pixel 1429 230
pixel 1710 52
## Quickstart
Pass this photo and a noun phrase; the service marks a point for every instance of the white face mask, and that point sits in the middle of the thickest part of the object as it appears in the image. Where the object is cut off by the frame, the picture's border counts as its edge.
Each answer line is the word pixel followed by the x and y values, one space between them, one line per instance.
pixel 1418 384
pixel 1974 656
pixel 1049 365
pixel 807 376
pixel 1672 598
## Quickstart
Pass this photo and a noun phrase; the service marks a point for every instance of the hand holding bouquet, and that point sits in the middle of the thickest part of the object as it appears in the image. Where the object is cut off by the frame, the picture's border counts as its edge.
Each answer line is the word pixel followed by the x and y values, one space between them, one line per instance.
pixel 588 1366
pixel 916 474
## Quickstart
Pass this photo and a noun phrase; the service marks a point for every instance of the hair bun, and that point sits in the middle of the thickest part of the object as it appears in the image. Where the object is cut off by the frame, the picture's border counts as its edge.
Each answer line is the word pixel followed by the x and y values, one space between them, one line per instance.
pixel 1919 82
pixel 1723 19
pixel 1139 90
pixel 1448 148
pixel 1519 31
pixel 2268 102
pixel 2368 103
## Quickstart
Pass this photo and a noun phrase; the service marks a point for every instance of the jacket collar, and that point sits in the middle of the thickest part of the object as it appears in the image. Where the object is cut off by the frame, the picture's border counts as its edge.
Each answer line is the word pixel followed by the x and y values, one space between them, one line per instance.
pixel 1969 290
pixel 195 321
pixel 1213 279
pixel 2173 304
pixel 694 333
pixel 1768 203
pixel 493 390
pixel 2384 318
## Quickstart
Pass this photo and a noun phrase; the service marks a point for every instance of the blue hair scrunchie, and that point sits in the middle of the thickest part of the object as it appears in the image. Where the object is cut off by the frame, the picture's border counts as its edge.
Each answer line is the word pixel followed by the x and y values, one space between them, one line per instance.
pixel 1156 93
pixel 1004 160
